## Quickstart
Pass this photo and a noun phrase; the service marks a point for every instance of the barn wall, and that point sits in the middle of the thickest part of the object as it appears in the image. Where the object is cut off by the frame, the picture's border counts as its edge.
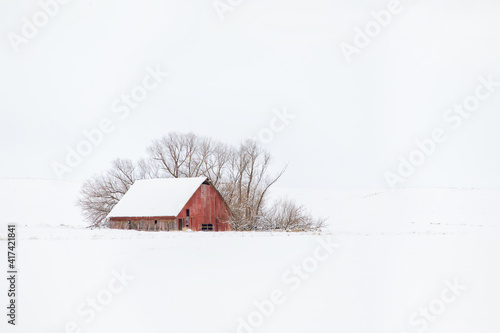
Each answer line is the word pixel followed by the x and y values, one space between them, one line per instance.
pixel 143 224
pixel 206 206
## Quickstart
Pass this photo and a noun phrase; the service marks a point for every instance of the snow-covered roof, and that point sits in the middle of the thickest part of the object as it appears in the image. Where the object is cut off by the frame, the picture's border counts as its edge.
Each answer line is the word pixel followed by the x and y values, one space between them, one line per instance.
pixel 157 197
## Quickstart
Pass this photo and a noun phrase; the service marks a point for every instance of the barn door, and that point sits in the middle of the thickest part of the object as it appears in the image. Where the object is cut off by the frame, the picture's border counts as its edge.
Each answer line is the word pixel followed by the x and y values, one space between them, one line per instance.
pixel 181 224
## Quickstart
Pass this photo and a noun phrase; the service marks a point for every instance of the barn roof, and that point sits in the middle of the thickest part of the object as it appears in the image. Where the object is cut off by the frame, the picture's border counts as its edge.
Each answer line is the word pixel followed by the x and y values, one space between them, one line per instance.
pixel 157 197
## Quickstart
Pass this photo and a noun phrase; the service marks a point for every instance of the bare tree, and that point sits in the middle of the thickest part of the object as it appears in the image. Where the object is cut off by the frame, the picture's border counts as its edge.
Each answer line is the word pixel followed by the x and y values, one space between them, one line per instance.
pixel 286 215
pixel 247 183
pixel 102 192
pixel 216 162
pixel 149 169
pixel 182 155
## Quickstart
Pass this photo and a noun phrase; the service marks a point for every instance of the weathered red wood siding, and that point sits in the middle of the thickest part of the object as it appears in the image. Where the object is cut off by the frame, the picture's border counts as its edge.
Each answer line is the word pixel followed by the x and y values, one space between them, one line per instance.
pixel 206 206
pixel 143 223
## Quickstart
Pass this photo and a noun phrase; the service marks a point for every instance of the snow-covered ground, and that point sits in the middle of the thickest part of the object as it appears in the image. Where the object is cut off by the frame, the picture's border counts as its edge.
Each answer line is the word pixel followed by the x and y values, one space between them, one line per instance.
pixel 409 260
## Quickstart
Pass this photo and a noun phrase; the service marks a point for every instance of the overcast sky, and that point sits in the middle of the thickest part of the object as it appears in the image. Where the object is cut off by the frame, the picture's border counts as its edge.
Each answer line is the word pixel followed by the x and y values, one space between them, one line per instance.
pixel 353 120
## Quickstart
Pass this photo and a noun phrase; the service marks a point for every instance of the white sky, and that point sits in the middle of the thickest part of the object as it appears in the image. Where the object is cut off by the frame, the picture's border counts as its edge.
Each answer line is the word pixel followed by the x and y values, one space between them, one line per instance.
pixel 352 121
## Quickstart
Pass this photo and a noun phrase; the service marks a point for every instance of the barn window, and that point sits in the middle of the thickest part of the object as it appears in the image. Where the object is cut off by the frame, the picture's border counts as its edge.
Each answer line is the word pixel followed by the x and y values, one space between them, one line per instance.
pixel 207 227
pixel 156 221
pixel 187 212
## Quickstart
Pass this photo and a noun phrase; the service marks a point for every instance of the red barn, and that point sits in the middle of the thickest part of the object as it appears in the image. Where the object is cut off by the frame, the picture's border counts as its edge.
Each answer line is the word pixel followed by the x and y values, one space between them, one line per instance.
pixel 171 204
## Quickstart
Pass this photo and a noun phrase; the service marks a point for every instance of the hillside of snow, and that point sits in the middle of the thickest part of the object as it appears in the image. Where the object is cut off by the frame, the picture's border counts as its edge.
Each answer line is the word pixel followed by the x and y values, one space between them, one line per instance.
pixel 401 210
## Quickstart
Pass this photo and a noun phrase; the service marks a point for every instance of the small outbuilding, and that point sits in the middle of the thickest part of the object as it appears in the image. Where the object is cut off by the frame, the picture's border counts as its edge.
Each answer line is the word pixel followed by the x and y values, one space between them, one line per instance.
pixel 171 204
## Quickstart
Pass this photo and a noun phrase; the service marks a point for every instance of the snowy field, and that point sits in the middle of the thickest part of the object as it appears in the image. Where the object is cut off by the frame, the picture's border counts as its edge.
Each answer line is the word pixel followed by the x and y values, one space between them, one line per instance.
pixel 411 260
